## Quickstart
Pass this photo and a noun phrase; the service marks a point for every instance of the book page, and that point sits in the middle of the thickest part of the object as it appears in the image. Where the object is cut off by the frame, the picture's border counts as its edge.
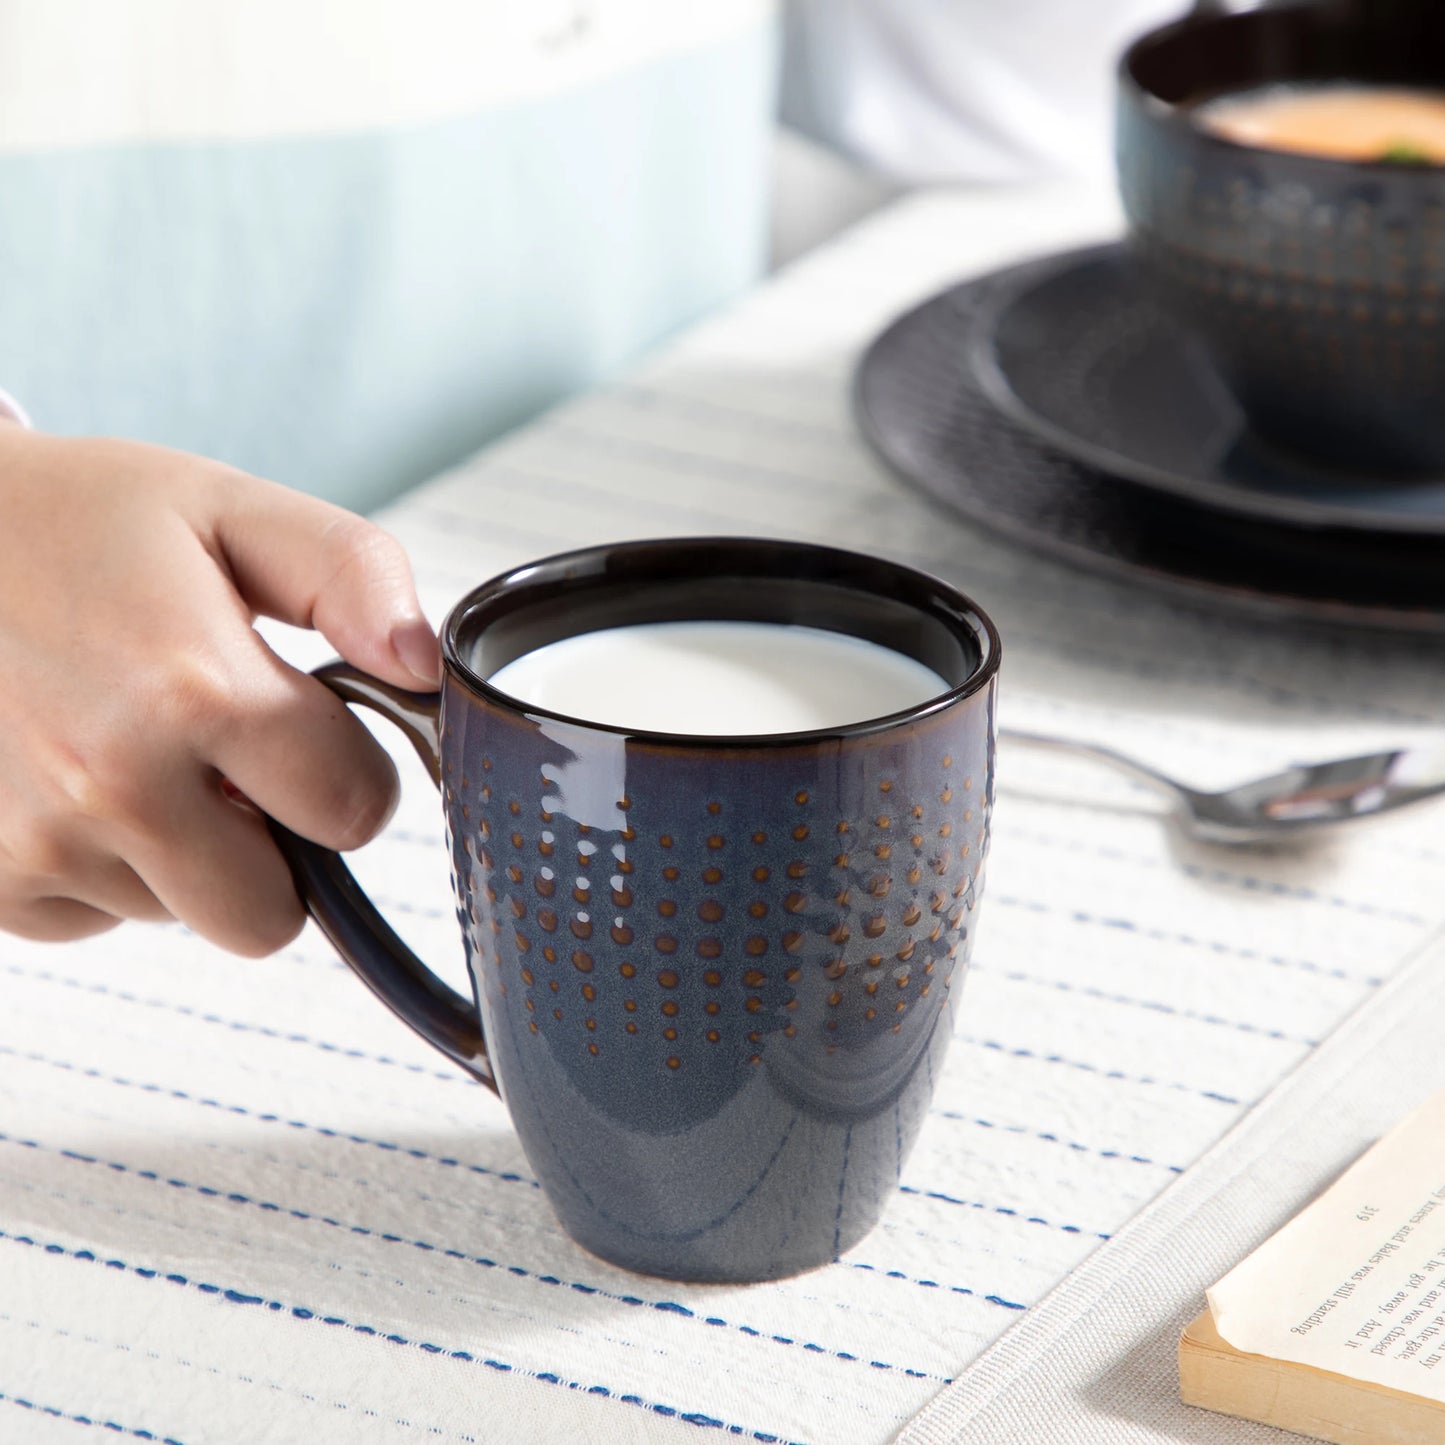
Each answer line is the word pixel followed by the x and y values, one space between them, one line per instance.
pixel 1355 1283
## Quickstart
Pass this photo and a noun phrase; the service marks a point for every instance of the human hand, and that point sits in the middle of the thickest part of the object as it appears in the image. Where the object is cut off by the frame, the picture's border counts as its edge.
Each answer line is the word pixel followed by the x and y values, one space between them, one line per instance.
pixel 138 701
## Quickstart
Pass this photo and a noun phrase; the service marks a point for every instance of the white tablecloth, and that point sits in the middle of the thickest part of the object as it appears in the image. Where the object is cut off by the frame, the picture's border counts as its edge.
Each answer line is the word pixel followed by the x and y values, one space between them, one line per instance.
pixel 238 1201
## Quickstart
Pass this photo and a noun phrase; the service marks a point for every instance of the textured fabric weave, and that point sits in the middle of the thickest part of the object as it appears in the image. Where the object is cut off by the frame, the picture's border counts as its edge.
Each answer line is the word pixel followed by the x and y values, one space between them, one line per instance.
pixel 239 1202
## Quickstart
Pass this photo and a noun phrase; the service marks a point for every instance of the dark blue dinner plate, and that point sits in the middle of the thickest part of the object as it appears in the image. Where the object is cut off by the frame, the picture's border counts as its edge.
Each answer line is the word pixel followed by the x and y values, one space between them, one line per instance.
pixel 921 404
pixel 1078 351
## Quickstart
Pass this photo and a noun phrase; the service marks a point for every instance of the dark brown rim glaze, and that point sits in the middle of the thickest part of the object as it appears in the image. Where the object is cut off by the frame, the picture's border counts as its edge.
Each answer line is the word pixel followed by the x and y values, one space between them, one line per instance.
pixel 724 579
pixel 1287 33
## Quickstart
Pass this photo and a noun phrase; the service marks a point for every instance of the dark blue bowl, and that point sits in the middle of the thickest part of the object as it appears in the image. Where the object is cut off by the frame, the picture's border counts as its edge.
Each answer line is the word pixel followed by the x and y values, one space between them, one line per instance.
pixel 1317 284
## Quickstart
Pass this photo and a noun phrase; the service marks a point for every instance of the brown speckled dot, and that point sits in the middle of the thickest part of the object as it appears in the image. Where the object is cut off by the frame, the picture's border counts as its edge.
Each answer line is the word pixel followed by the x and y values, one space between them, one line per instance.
pixel 792 975
pixel 883 851
pixel 514 873
pixel 589 993
pixel 593 1050
pixel 630 1026
pixel 627 970
pixel 712 876
pixel 713 1036
pixel 712 1006
pixel 517 840
pixel 795 902
pixel 842 861
pixel 523 945
pixel 545 887
pixel 527 976
pixel 839 934
pixel 753 1004
pixel 874 925
pixel 674 1063
pixel 712 978
pixel 834 999
pixel 879 884
pixel 906 952
pixel 582 961
pixel 591 1023
pixel 669 1034
pixel 714 808
pixel 669 978
pixel 947 760
pixel 557 1014
pixel 761 875
pixel 581 928
pixel 800 832
pixel 716 841
pixel 912 915
pixel 967 784
pixel 532 1024
pixel 709 948
pixel 883 821
pixel 529 1005
pixel 669 1007
pixel 671 874
pixel 792 942
pixel 797 870
pixel 757 910
pixel 843 897
pixel 519 909
pixel 756 946
pixel 755 978
pixel 554 985
pixel 666 840
pixel 870 1013
pixel 800 797
pixel 755 1059
pixel 760 837
pixel 871 987
pixel 622 935
pixel 899 1006
pixel 835 969
pixel 791 1032
pixel 917 840
pixel 665 943
pixel 667 908
pixel 710 910
pixel 514 808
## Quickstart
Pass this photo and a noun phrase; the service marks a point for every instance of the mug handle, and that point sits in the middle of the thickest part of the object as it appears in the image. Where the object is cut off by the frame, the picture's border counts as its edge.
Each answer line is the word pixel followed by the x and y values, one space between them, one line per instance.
pixel 343 912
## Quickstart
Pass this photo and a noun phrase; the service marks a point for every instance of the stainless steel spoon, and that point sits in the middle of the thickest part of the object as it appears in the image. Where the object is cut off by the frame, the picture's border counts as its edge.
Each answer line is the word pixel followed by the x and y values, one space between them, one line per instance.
pixel 1271 809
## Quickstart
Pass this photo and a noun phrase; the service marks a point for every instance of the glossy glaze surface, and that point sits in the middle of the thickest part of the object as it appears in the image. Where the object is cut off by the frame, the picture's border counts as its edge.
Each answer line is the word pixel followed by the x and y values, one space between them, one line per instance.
pixel 716 978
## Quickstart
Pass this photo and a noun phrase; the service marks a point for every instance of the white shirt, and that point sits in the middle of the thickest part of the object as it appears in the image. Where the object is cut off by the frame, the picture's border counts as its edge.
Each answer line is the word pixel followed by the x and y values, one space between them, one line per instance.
pixel 976 90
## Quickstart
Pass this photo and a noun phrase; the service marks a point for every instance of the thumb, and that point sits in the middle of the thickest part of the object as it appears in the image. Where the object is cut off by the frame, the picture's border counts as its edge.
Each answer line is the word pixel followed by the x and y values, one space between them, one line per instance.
pixel 306 562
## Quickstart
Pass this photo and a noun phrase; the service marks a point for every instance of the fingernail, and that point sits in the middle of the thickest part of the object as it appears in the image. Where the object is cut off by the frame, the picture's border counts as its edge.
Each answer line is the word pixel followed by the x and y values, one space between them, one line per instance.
pixel 416 646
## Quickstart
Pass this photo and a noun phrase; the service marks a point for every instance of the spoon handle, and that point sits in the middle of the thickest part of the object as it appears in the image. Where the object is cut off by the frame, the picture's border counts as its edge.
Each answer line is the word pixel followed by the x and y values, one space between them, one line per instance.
pixel 1141 772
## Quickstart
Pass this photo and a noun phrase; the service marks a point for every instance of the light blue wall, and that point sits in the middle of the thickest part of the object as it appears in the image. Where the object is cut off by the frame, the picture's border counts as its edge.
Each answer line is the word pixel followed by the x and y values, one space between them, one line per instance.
pixel 350 314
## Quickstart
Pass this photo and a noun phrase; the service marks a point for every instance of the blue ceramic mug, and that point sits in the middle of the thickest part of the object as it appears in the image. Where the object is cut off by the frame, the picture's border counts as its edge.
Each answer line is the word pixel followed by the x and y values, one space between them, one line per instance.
pixel 711 976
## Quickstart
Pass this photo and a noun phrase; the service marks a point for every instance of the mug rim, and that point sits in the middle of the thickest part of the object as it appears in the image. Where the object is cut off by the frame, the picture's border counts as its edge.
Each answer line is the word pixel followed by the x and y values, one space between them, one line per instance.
pixel 982 633
pixel 1185 118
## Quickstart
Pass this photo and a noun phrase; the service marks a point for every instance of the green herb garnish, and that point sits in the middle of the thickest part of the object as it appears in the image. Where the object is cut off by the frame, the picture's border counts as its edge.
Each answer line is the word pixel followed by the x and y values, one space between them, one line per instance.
pixel 1405 153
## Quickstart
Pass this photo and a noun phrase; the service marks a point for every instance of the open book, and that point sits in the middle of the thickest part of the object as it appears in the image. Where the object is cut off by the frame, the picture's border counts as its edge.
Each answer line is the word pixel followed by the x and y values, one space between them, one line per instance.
pixel 1335 1326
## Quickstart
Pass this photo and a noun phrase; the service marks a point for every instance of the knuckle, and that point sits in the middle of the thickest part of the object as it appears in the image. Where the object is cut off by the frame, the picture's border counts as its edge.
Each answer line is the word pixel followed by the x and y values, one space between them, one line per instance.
pixel 363 547
pixel 198 696
pixel 36 855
